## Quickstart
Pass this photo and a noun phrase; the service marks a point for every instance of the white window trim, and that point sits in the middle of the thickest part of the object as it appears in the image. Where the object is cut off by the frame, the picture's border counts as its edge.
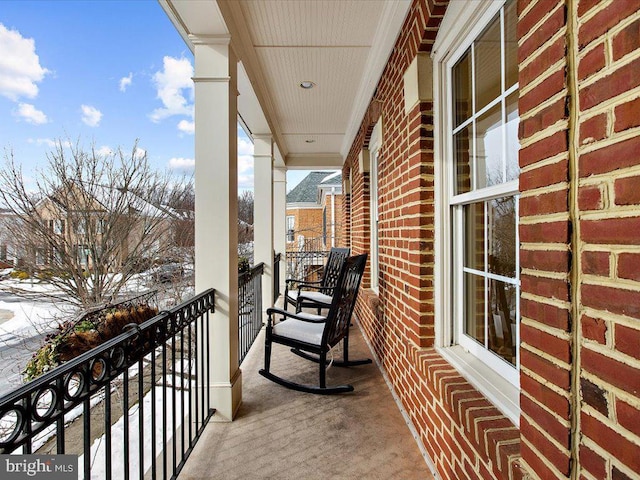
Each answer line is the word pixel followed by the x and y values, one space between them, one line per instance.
pixel 463 20
pixel 287 235
pixel 374 148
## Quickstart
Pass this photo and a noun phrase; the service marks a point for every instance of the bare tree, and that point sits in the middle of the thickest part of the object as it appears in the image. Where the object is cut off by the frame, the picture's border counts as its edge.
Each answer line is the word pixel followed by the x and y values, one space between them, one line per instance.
pixel 245 224
pixel 88 221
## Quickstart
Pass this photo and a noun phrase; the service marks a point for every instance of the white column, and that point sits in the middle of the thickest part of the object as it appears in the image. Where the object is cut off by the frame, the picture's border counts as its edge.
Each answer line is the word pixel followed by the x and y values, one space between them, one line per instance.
pixel 216 229
pixel 280 219
pixel 263 213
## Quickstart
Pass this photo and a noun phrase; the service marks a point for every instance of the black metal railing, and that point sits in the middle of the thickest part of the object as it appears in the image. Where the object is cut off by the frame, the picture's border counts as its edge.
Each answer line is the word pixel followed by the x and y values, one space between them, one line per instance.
pixel 276 276
pixel 306 265
pixel 249 309
pixel 132 407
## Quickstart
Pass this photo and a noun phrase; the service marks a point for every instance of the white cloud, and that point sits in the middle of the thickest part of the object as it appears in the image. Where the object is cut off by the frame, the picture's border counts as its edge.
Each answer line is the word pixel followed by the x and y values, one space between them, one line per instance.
pixel 245 164
pixel 172 84
pixel 187 126
pixel 91 115
pixel 50 143
pixel 104 151
pixel 179 163
pixel 20 68
pixel 140 152
pixel 126 82
pixel 30 114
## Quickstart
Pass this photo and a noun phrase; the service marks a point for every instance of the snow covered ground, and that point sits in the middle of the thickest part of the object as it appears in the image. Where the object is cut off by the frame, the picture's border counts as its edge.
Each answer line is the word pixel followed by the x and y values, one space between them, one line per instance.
pixel 27 317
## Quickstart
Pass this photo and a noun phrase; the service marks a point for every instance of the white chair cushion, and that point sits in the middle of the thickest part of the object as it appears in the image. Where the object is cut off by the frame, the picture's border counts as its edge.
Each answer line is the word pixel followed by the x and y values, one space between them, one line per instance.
pixel 299 330
pixel 316 297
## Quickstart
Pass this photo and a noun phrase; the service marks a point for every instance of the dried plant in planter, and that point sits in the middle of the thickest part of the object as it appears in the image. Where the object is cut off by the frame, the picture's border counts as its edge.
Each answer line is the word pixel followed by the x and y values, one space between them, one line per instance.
pixel 73 339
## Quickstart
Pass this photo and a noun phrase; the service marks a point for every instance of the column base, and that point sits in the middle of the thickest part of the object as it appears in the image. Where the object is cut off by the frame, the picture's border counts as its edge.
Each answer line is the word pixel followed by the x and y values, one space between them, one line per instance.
pixel 226 398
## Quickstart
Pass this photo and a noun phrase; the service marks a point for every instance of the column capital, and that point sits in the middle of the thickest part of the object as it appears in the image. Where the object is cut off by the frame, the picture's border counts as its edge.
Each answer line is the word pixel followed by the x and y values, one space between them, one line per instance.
pixel 263 136
pixel 220 39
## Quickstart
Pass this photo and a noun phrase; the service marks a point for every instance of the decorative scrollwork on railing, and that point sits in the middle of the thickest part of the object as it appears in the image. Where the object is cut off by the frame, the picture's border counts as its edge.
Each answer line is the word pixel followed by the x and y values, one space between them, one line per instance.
pixel 30 409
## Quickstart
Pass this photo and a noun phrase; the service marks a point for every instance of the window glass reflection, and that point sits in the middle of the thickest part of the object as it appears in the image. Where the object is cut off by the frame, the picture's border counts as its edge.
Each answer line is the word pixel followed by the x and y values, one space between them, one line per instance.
pixel 488 65
pixel 462 154
pixel 489 148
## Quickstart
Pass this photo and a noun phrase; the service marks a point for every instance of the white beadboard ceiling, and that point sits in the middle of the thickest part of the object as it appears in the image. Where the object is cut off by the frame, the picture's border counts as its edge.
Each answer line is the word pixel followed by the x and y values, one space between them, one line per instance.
pixel 340 45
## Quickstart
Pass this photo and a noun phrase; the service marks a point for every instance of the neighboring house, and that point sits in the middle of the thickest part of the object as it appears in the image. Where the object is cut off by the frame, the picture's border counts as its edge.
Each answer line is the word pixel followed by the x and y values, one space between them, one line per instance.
pixel 10 250
pixel 314 209
pixel 87 221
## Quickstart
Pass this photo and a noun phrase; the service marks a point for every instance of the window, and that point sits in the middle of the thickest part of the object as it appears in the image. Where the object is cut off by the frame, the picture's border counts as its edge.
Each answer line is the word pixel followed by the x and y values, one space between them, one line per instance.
pixel 374 156
pixel 290 228
pixel 477 82
pixel 84 254
pixel 81 226
pixel 58 227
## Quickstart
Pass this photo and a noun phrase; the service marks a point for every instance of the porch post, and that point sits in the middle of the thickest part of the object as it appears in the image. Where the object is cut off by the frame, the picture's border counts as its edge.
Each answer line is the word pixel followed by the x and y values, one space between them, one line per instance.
pixel 279 219
pixel 263 213
pixel 216 212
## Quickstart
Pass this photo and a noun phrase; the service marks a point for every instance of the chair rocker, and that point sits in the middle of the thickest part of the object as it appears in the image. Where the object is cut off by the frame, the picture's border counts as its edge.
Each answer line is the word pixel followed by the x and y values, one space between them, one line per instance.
pixel 313 333
pixel 316 294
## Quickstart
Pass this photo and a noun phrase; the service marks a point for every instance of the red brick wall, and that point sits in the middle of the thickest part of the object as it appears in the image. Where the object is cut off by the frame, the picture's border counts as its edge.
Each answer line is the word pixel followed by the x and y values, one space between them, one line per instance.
pixel 580 252
pixel 464 435
pixel 579 222
pixel 307 222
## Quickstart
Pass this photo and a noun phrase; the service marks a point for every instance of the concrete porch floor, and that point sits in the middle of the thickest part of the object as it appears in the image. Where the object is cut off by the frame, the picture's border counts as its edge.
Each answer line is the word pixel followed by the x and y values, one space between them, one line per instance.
pixel 284 434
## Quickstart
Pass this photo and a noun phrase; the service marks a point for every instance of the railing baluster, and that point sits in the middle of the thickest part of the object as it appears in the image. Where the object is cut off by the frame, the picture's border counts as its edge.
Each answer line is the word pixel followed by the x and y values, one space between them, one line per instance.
pixel 125 413
pixel 107 430
pixel 152 385
pixel 173 401
pixel 165 456
pixel 87 437
pixel 189 381
pixel 141 417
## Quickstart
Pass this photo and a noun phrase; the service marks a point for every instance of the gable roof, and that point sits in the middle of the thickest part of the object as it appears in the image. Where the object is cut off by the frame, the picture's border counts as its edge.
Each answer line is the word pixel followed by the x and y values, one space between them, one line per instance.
pixel 307 190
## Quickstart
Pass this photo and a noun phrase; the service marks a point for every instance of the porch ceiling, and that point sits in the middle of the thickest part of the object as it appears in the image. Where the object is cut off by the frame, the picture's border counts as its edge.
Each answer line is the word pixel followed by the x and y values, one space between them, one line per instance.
pixel 340 46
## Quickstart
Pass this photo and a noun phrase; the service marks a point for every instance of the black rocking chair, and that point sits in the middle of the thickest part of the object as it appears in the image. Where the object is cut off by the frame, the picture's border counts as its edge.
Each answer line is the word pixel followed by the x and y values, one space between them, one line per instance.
pixel 315 334
pixel 316 294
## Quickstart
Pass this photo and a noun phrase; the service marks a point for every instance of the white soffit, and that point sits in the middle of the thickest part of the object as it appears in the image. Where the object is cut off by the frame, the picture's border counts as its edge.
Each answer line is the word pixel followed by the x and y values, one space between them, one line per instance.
pixel 341 46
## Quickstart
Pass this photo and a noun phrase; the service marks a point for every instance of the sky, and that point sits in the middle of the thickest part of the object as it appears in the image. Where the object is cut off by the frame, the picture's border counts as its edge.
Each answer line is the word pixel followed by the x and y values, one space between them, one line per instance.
pixel 104 73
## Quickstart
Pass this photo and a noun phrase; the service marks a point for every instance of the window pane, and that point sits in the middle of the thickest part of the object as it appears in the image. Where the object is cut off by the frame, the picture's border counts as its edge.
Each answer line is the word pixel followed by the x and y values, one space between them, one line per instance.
pixel 462 154
pixel 474 307
pixel 502 236
pixel 502 319
pixel 487 65
pixel 474 236
pixel 462 89
pixel 489 148
pixel 511 46
pixel 513 144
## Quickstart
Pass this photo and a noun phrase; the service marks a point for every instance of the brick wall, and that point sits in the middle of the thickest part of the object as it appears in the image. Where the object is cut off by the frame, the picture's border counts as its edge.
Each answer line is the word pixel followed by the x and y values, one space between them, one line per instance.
pixel 307 222
pixel 579 220
pixel 579 105
pixel 463 434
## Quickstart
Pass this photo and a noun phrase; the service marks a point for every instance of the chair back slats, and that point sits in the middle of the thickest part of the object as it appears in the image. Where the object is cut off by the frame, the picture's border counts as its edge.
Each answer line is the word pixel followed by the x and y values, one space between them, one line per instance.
pixel 332 268
pixel 344 299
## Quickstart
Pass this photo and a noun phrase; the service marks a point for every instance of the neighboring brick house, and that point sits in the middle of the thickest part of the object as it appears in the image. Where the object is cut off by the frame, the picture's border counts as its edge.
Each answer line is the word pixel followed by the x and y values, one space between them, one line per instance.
pixel 503 295
pixel 314 210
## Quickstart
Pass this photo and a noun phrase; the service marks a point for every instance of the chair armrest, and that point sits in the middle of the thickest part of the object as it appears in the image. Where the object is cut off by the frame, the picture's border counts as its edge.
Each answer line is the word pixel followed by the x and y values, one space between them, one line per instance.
pixel 325 290
pixel 285 314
